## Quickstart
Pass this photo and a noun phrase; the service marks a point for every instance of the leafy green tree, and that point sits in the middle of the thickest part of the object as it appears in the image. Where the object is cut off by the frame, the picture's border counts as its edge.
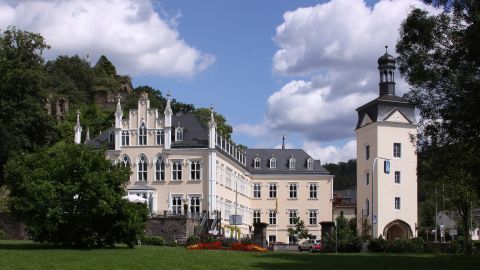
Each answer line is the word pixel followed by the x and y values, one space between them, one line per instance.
pixel 71 77
pixel 24 124
pixel 71 195
pixel 299 231
pixel 223 128
pixel 344 174
pixel 439 57
pixel 105 76
pixel 346 233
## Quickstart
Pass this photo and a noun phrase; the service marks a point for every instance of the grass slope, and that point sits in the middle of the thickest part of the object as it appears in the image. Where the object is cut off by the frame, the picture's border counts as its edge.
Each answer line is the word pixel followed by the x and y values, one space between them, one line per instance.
pixel 26 255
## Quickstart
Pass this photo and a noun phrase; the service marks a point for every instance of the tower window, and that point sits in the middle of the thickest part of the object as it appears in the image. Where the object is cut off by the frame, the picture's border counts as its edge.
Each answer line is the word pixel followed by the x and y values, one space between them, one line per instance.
pixel 367 152
pixel 397 177
pixel 367 207
pixel 367 179
pixel 397 203
pixel 142 134
pixel 397 150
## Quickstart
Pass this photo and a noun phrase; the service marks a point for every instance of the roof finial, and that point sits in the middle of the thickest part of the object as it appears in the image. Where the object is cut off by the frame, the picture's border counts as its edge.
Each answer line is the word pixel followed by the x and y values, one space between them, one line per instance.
pixel 169 93
pixel 87 138
pixel 78 118
pixel 283 141
pixel 386 48
pixel 212 118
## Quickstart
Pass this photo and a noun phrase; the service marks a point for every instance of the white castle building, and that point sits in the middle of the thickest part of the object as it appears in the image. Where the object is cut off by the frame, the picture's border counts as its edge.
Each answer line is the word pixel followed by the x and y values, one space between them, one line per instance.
pixel 386 202
pixel 179 164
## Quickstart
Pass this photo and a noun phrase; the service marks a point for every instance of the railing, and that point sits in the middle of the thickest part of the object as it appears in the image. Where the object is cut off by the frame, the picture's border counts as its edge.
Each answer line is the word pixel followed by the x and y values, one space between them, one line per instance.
pixel 192 215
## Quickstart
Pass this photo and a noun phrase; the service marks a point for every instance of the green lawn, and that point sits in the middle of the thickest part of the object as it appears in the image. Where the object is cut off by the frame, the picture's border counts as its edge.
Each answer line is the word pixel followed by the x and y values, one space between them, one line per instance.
pixel 25 255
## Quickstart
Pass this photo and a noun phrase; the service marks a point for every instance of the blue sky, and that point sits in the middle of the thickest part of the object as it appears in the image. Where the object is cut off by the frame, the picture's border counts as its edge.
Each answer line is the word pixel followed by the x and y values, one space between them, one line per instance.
pixel 271 67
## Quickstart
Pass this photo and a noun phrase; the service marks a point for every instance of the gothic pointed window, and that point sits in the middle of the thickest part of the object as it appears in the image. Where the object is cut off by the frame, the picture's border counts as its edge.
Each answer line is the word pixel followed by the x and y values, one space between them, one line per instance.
pixel 125 161
pixel 159 169
pixel 142 134
pixel 142 168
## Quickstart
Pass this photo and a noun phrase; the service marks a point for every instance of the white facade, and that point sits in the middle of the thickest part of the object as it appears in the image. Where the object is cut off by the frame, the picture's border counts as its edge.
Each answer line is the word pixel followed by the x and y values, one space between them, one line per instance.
pixel 177 163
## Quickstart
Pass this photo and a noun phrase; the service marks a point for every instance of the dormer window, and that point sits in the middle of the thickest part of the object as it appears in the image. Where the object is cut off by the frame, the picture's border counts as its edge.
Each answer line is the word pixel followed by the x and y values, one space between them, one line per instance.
pixel 142 134
pixel 291 163
pixel 309 164
pixel 256 163
pixel 273 163
pixel 179 134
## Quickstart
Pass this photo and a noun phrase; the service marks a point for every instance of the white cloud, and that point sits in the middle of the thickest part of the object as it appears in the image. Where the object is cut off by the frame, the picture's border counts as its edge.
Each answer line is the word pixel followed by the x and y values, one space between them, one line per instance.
pixel 130 33
pixel 330 153
pixel 337 45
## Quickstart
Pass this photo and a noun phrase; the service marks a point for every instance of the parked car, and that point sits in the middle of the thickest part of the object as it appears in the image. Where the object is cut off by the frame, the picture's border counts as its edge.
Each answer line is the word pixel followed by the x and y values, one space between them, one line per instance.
pixel 311 245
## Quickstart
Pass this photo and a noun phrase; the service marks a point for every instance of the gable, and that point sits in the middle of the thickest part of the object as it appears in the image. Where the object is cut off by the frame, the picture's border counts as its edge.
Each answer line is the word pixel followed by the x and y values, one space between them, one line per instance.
pixel 366 120
pixel 396 116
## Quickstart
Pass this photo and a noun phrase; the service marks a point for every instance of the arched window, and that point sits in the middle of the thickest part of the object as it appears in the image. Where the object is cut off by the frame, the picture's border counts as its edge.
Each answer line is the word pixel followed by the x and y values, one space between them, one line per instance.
pixel 309 164
pixel 160 137
pixel 125 161
pixel 367 207
pixel 291 163
pixel 142 168
pixel 256 163
pixel 142 134
pixel 179 134
pixel 159 169
pixel 273 163
pixel 125 138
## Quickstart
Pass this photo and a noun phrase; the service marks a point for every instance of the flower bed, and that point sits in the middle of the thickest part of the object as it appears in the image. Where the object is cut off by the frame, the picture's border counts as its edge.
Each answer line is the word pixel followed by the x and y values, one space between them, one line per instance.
pixel 235 246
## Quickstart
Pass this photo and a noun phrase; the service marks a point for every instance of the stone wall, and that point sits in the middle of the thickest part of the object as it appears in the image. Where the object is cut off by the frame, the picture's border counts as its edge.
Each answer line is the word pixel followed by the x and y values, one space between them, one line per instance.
pixel 171 228
pixel 12 228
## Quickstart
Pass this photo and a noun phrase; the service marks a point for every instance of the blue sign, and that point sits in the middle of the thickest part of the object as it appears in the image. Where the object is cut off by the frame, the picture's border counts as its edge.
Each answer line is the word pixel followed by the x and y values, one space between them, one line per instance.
pixel 386 166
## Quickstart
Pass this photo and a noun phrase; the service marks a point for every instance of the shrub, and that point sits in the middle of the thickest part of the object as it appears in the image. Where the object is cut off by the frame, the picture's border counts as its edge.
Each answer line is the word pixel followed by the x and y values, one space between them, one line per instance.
pixel 2 235
pixel 227 242
pixel 192 240
pixel 414 245
pixel 247 240
pixel 171 244
pixel 417 245
pixel 377 245
pixel 153 240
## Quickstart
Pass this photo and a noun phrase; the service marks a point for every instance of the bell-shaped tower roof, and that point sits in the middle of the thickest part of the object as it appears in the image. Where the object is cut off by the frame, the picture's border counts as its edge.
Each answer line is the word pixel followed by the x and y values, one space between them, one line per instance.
pixel 386 67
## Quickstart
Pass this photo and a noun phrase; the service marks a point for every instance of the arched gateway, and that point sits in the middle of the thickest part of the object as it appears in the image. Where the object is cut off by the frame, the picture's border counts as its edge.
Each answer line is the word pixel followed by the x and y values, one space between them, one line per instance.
pixel 397 229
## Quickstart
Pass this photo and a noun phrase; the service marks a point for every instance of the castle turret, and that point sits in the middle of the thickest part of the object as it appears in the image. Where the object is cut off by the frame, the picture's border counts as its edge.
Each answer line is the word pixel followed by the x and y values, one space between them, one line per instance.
pixel 118 124
pixel 78 130
pixel 386 161
pixel 168 123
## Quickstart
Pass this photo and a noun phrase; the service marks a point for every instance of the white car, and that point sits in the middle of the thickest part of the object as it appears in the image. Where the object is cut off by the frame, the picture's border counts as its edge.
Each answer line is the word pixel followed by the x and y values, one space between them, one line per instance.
pixel 311 245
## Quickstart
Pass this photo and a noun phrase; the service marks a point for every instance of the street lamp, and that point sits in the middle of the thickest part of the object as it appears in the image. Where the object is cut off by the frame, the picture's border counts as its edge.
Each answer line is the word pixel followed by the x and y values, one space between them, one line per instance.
pixel 387 171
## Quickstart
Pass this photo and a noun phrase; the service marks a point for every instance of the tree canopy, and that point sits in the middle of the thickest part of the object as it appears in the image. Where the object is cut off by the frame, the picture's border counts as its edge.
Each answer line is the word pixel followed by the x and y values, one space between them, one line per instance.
pixel 71 195
pixel 439 56
pixel 345 174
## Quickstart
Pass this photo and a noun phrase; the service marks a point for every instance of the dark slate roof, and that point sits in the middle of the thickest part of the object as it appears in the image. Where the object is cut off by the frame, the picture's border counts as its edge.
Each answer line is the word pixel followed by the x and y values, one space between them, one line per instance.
pixel 381 107
pixel 102 140
pixel 140 187
pixel 282 156
pixel 195 135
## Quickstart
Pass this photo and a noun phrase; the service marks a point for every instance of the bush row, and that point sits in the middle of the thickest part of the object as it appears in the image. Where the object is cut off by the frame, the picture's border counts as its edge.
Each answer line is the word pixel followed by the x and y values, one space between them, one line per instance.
pixel 416 245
